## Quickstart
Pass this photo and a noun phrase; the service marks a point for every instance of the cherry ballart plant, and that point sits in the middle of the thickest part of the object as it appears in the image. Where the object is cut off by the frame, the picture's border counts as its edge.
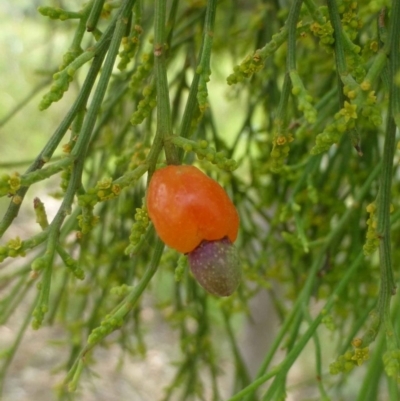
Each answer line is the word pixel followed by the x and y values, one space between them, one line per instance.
pixel 227 169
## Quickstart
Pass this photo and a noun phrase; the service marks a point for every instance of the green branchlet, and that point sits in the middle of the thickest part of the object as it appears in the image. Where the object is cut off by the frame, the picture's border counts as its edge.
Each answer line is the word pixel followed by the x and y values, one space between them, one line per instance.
pixel 94 16
pixel 70 263
pixel 65 178
pixel 132 156
pixel 40 211
pixel 11 183
pixel 72 54
pixel 360 352
pixel 103 191
pixel 108 189
pixel 303 98
pixel 391 362
pixel 138 229
pixel 111 5
pixel 142 71
pixel 328 321
pixel 130 44
pixel 205 152
pixel 63 78
pixel 181 267
pixel 146 105
pixel 45 264
pixel 121 290
pixel 280 147
pixel 351 22
pixel 87 220
pixel 255 62
pixel 202 92
pixel 361 101
pixel 203 69
pixel 107 326
pixel 324 31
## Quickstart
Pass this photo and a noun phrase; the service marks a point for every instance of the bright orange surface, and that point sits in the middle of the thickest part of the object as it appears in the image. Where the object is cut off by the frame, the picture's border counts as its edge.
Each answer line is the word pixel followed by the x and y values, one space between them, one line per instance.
pixel 186 207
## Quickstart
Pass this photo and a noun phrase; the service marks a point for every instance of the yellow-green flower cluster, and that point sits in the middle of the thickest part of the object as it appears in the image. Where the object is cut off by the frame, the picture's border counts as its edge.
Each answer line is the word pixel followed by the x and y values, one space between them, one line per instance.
pixel 58 13
pixel 109 6
pixel 121 290
pixel 40 263
pixel 38 315
pixel 202 92
pixel 350 21
pixel 139 155
pixel 139 228
pixel 104 190
pixel 65 177
pixel 324 32
pixel 391 361
pixel 13 248
pixel 72 265
pixel 133 155
pixel 130 45
pixel 292 239
pixel 280 151
pixel 87 220
pixel 70 56
pixel 142 71
pixel 303 98
pixel 372 242
pixel 204 151
pixel 108 325
pixel 10 184
pixel 328 321
pixel 255 62
pixel 344 121
pixel 146 105
pixel 371 110
pixel 355 65
pixel 40 212
pixel 60 85
pixel 345 363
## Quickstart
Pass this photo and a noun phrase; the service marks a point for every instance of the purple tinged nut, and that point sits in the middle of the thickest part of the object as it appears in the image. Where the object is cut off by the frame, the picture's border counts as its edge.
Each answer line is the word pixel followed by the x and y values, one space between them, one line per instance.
pixel 216 266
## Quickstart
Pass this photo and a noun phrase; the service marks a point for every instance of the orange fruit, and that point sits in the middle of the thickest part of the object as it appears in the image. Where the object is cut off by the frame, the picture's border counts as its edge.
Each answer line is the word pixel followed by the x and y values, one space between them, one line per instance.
pixel 188 207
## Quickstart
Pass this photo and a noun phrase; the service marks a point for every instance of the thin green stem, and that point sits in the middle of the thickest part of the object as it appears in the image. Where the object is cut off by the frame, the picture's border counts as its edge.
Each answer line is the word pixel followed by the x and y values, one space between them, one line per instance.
pixel 14 347
pixel 93 111
pixel 164 125
pixel 191 103
pixel 394 65
pixel 291 357
pixel 24 102
pixel 292 34
pixel 80 30
pixel 388 285
pixel 239 363
pixel 384 196
pixel 94 16
pixel 45 155
pixel 282 114
pixel 337 28
pixel 308 286
pixel 40 175
pixel 121 311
